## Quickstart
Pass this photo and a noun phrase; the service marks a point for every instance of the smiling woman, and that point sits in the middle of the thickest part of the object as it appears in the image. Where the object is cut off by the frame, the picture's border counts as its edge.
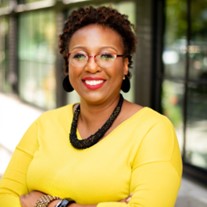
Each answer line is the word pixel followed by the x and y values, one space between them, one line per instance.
pixel 103 151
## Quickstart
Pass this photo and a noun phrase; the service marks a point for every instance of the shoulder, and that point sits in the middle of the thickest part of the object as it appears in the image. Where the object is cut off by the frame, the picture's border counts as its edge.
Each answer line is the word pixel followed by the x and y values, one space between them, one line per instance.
pixel 146 118
pixel 159 132
pixel 143 112
pixel 156 121
pixel 59 110
pixel 57 114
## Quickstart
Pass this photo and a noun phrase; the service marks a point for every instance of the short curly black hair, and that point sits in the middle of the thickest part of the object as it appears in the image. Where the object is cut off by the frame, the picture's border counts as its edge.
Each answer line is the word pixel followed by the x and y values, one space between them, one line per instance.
pixel 105 16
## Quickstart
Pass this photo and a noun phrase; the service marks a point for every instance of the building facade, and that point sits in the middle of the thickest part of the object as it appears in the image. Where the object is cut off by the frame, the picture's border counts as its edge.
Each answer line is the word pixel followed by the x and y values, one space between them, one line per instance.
pixel 170 64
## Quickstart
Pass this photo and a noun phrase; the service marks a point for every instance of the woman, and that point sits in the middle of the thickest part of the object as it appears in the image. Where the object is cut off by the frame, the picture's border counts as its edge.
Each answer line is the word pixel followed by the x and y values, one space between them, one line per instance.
pixel 118 153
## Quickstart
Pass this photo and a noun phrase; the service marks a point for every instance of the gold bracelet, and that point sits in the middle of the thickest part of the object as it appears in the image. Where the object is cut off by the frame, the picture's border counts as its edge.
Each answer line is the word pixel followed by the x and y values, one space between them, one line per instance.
pixel 45 200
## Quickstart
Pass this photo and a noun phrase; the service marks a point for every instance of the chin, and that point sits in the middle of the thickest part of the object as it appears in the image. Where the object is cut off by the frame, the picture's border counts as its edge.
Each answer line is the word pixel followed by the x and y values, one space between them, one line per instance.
pixel 94 98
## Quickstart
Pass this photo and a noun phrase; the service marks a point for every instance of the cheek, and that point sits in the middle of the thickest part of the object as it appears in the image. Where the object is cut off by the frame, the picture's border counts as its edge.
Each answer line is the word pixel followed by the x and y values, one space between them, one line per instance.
pixel 72 75
pixel 119 70
pixel 73 72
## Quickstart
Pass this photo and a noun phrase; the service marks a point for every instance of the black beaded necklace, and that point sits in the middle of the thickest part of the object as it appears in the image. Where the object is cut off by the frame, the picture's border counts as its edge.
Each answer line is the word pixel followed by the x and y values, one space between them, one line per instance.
pixel 94 138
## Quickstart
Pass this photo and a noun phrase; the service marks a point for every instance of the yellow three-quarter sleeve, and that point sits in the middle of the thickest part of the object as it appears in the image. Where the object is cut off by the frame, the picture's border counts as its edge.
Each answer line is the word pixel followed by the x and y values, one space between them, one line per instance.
pixel 157 169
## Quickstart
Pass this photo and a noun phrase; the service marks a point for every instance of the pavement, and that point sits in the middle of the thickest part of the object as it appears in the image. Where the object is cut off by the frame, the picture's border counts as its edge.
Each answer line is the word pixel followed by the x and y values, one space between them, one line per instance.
pixel 16 116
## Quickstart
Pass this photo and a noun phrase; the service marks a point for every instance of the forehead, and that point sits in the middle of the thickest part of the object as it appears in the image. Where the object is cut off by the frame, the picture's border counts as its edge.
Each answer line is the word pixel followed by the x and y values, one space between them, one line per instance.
pixel 94 36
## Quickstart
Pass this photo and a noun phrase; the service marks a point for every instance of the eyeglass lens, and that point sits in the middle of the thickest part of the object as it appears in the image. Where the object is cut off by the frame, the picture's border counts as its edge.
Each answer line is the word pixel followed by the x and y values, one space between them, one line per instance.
pixel 80 59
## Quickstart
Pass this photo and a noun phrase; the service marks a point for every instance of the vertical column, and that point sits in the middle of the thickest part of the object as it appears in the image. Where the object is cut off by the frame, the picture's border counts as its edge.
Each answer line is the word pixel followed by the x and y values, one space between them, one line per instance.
pixel 12 75
pixel 59 71
pixel 158 25
pixel 144 56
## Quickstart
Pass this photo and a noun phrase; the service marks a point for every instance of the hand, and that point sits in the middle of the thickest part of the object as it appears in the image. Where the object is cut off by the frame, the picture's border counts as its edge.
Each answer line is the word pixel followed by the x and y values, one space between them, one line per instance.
pixel 30 199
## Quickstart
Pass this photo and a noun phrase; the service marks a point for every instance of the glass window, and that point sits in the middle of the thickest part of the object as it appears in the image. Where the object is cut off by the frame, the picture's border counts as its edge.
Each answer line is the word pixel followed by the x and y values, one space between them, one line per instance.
pixel 127 8
pixel 4 27
pixel 175 71
pixel 37 58
pixel 174 55
pixel 196 132
pixel 198 47
pixel 172 103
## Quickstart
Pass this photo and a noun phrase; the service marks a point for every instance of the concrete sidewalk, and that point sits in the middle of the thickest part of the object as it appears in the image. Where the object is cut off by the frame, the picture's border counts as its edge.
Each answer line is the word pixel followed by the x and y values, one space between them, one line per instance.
pixel 191 194
pixel 15 118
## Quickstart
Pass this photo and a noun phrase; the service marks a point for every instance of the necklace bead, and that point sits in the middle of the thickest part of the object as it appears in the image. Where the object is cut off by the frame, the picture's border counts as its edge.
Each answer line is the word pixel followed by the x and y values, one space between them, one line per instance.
pixel 94 138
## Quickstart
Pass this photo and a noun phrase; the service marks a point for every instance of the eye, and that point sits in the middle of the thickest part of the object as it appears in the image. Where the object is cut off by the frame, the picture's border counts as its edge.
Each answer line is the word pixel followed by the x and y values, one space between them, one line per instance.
pixel 79 56
pixel 107 56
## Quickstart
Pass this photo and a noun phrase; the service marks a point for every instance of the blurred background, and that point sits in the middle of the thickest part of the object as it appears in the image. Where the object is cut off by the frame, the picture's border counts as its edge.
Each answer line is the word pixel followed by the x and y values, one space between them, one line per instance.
pixel 169 73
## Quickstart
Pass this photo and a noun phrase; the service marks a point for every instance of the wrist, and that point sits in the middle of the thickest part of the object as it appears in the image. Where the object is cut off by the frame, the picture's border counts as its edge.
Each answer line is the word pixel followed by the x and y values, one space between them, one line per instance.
pixel 46 200
pixel 54 203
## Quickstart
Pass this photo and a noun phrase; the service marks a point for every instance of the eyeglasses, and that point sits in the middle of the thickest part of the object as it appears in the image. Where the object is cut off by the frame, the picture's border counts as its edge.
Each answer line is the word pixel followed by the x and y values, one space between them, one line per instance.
pixel 103 59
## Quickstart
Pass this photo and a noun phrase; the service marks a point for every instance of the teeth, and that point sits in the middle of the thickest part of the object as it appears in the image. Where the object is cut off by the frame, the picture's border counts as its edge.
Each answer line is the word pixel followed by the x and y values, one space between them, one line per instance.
pixel 93 82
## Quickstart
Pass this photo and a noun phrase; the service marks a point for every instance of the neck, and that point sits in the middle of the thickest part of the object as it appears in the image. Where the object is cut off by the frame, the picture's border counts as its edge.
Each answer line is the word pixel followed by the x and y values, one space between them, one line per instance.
pixel 99 134
pixel 93 116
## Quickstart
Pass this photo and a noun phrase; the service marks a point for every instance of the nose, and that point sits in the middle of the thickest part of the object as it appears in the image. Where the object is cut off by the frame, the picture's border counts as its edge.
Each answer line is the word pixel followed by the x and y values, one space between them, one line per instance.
pixel 91 66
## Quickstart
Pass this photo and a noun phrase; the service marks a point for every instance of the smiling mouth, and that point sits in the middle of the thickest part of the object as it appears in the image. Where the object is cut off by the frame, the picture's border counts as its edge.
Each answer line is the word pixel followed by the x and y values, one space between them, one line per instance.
pixel 93 82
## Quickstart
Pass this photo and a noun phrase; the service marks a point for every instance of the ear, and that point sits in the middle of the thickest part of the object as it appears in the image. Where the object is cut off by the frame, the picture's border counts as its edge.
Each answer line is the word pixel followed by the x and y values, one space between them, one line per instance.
pixel 126 68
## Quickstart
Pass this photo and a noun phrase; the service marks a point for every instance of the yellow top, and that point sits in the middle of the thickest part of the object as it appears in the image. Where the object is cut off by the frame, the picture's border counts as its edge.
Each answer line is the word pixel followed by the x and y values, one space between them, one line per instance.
pixel 140 157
